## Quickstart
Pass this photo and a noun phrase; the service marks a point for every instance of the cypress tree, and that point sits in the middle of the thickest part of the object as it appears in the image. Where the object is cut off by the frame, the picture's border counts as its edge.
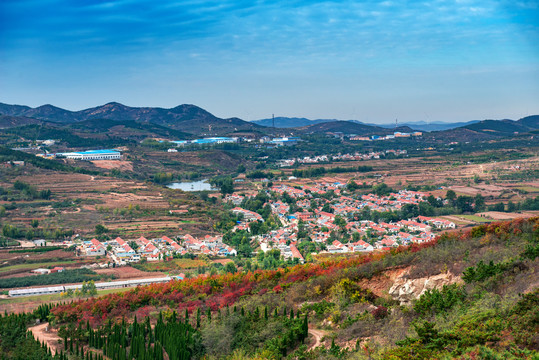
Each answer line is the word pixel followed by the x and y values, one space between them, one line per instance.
pixel 292 314
pixel 266 312
pixel 305 328
pixel 208 315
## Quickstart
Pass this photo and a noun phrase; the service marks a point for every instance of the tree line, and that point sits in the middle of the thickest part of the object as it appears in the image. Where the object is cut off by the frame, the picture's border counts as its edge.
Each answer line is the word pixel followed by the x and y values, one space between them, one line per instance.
pixel 64 277
pixel 319 171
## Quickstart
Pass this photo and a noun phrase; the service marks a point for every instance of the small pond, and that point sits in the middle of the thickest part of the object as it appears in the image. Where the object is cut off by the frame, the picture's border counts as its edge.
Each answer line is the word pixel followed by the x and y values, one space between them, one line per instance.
pixel 199 185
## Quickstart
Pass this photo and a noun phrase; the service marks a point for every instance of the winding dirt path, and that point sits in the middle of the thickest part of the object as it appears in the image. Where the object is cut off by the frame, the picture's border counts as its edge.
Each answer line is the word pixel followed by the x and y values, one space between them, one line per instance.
pixel 317 335
pixel 50 337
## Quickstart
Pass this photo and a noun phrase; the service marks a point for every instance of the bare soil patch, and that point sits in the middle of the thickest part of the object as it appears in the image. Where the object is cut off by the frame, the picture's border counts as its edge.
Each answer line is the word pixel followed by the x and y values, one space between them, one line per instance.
pixel 44 333
pixel 128 272
pixel 496 215
pixel 114 164
pixel 316 340
pixel 23 307
pixel 380 284
pixel 122 200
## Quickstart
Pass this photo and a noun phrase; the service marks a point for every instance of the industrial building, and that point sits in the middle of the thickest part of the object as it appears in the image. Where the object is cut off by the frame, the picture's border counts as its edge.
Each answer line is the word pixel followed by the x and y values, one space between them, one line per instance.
pixel 92 155
pixel 209 140
pixel 100 286
pixel 285 141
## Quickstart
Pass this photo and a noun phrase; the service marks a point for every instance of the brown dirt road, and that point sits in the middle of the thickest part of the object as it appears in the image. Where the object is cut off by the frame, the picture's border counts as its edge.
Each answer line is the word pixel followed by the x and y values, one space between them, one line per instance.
pixel 317 335
pixel 50 337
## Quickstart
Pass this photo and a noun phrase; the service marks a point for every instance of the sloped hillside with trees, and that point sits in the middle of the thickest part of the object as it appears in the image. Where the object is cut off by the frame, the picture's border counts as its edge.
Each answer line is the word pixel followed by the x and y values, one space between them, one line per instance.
pixel 482 303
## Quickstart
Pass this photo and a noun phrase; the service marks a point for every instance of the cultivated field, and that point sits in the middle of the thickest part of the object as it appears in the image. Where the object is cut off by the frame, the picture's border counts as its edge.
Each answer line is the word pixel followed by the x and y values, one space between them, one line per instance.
pixel 128 208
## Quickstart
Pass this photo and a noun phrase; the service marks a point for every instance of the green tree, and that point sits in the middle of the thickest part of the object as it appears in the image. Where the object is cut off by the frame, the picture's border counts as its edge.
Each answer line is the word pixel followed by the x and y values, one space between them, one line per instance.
pixel 100 229
pixel 451 196
pixel 382 189
pixel 230 267
pixel 227 186
pixel 464 203
pixel 91 289
pixel 479 203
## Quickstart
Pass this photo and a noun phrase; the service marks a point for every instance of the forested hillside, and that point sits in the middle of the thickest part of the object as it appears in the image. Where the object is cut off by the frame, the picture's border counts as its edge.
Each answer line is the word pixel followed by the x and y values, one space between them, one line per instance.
pixel 466 295
pixel 484 274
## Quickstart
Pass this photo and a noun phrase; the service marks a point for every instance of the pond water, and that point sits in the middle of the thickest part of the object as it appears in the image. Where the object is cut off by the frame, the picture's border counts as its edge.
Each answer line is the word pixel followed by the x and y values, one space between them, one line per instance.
pixel 199 185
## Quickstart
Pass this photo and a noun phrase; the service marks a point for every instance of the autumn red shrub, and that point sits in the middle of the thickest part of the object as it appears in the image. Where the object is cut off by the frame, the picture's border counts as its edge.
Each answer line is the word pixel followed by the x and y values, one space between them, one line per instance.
pixel 218 291
pixel 380 312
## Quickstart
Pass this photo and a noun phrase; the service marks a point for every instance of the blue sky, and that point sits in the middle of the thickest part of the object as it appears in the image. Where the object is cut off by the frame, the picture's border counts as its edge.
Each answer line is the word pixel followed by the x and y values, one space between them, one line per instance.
pixel 374 61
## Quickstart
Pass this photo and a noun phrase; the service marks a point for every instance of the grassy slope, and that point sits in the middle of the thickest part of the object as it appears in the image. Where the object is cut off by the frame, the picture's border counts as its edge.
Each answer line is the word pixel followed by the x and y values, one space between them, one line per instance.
pixel 464 320
pixel 32 266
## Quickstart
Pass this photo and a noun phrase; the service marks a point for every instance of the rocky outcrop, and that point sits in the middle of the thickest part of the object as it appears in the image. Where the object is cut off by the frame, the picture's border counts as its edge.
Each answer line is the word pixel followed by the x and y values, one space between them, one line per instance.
pixel 406 290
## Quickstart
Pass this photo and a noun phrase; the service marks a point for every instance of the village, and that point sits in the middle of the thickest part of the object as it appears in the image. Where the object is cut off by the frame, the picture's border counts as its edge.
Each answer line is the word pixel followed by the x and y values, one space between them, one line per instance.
pixel 318 219
pixel 121 252
pixel 340 157
pixel 322 213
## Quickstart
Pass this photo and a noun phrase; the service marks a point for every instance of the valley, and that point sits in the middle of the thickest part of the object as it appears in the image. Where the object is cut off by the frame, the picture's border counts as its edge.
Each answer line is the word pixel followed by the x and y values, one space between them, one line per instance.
pixel 309 243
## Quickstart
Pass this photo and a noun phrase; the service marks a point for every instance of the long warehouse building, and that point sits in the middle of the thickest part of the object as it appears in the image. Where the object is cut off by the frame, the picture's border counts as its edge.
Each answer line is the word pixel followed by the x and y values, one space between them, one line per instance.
pixel 92 155
pixel 100 286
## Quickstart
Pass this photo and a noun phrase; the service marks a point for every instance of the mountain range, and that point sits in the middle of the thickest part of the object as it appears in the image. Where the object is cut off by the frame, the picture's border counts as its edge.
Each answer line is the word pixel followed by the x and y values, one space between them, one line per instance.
pixel 186 120
pixel 294 122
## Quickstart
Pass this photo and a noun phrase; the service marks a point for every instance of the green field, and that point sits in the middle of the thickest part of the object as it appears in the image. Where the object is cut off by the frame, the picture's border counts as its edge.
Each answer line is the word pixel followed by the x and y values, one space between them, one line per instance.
pixel 189 222
pixel 31 266
pixel 452 219
pixel 54 297
pixel 474 218
pixel 175 264
pixel 530 189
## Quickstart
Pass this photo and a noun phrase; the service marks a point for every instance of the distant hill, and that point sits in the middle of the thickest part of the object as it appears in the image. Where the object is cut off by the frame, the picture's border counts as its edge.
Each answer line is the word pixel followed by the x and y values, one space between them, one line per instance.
pixel 8 121
pixel 286 122
pixel 126 128
pixel 293 122
pixel 489 129
pixel 505 127
pixel 186 118
pixel 95 132
pixel 190 119
pixel 530 121
pixel 349 127
pixel 430 126
pixel 67 136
